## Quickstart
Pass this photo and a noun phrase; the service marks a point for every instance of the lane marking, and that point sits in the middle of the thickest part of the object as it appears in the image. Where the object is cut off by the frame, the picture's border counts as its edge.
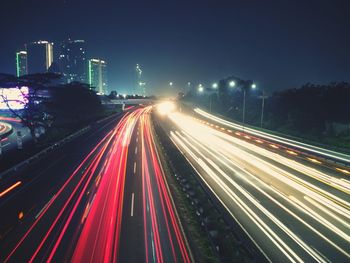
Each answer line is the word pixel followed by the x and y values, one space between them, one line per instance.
pixel 42 209
pixel 134 167
pixel 132 204
pixel 135 150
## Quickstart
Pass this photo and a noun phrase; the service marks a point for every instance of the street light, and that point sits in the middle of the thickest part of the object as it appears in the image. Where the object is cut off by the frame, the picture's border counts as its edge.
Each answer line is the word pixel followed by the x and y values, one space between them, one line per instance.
pixel 215 85
pixel 170 83
pixel 262 97
pixel 253 86
pixel 232 83
pixel 200 88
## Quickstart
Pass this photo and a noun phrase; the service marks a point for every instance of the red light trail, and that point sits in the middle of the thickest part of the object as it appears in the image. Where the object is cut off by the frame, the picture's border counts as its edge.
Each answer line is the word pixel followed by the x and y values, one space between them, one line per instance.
pixel 93 196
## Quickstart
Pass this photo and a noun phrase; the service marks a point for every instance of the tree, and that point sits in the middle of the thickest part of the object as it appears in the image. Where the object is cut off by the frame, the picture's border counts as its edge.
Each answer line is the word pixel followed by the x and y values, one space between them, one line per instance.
pixel 32 99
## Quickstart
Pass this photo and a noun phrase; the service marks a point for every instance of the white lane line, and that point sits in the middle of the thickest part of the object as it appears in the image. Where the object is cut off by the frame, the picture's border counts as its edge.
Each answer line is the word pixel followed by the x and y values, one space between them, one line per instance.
pixel 134 167
pixel 132 204
pixel 135 150
pixel 42 209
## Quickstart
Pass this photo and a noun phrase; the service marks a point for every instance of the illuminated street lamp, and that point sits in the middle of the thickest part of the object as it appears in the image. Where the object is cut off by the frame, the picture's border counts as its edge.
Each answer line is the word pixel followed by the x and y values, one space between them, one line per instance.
pixel 215 85
pixel 232 83
pixel 253 86
pixel 200 88
pixel 170 83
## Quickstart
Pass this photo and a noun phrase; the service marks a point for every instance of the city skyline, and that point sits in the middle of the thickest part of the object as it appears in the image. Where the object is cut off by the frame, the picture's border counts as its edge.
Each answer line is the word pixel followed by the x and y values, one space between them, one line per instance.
pixel 304 42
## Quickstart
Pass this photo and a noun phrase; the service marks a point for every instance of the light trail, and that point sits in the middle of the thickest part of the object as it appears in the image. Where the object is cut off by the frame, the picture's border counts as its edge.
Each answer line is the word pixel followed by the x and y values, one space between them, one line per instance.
pixel 70 204
pixel 85 213
pixel 99 239
pixel 9 189
pixel 299 145
pixel 152 172
pixel 266 191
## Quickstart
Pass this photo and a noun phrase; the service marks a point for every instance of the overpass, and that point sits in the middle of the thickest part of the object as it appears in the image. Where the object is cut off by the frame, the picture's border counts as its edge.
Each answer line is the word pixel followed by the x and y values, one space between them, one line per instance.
pixel 131 101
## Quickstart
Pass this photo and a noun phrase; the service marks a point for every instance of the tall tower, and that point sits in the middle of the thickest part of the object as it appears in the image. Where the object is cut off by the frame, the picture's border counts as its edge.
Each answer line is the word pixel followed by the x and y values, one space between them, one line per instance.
pixel 97 75
pixel 140 85
pixel 40 56
pixel 21 63
pixel 72 60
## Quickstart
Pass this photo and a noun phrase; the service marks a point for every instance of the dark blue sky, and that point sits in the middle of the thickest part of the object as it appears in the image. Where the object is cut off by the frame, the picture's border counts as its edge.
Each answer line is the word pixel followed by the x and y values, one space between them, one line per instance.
pixel 279 44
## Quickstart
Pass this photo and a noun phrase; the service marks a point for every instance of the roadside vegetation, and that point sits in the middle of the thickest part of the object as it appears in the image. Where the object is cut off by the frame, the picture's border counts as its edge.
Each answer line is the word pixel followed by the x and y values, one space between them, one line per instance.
pixel 51 110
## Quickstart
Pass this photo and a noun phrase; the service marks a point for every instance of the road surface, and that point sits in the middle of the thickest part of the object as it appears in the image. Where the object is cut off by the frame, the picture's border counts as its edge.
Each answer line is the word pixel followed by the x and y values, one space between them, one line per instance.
pixel 294 210
pixel 102 198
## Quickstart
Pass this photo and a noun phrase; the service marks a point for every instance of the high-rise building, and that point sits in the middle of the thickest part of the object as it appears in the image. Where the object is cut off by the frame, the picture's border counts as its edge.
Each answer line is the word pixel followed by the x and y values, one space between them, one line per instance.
pixel 140 85
pixel 21 63
pixel 72 60
pixel 98 75
pixel 40 56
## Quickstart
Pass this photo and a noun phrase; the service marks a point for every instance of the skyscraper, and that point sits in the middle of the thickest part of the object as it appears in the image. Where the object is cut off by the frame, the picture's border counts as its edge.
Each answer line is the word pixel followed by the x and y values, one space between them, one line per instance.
pixel 140 85
pixel 98 75
pixel 40 56
pixel 21 63
pixel 72 60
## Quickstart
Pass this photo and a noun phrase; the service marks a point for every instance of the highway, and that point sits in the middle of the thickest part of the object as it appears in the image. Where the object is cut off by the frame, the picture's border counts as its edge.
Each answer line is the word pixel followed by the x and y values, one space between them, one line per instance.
pixel 293 209
pixel 102 198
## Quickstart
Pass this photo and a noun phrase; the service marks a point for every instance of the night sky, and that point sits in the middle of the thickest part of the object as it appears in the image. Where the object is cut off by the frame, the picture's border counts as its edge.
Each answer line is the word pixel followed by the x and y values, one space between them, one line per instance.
pixel 279 44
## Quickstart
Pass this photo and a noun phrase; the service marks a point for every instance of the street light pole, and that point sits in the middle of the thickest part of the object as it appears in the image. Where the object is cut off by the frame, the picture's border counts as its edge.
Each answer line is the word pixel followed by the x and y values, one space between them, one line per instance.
pixel 263 97
pixel 243 117
pixel 262 109
pixel 210 98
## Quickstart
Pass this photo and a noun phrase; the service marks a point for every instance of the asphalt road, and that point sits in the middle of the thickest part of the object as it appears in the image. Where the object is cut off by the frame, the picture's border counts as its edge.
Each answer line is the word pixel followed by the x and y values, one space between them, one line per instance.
pixel 96 199
pixel 294 209
pixel 150 228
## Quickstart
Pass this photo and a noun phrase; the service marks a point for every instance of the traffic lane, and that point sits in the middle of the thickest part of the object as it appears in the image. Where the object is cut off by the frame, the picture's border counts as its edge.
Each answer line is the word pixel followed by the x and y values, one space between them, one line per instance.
pixel 37 234
pixel 100 237
pixel 270 239
pixel 132 247
pixel 278 174
pixel 320 176
pixel 165 241
pixel 262 152
pixel 283 208
pixel 43 178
